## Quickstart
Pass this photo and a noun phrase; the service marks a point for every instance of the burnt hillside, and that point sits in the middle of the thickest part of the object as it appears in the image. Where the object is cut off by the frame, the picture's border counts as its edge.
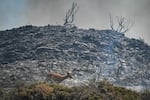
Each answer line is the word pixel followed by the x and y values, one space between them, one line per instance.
pixel 28 52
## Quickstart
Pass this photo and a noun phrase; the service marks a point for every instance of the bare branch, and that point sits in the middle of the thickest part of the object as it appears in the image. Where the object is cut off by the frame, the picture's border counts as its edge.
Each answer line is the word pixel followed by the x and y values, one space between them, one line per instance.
pixel 123 24
pixel 70 14
pixel 111 22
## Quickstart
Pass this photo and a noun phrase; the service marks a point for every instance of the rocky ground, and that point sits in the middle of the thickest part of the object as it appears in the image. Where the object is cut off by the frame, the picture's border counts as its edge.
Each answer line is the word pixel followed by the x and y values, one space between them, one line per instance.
pixel 29 52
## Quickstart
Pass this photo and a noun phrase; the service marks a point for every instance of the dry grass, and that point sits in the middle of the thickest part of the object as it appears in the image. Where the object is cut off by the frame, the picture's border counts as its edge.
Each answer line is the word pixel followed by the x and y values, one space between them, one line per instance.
pixel 104 91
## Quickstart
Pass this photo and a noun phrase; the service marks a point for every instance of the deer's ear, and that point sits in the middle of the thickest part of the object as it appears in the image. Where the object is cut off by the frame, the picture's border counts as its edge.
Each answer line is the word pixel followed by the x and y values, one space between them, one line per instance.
pixel 46 71
pixel 69 72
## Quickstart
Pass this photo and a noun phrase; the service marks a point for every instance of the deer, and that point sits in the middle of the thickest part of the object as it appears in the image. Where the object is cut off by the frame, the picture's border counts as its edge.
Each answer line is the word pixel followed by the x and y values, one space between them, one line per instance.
pixel 57 77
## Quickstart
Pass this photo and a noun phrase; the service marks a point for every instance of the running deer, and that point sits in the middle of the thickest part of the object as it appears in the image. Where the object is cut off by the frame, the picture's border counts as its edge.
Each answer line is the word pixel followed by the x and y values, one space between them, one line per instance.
pixel 57 77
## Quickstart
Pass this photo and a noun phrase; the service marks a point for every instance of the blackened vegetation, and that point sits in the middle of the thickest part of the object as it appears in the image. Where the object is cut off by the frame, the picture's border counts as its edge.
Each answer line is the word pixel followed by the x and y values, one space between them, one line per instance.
pixel 123 24
pixel 122 60
pixel 70 15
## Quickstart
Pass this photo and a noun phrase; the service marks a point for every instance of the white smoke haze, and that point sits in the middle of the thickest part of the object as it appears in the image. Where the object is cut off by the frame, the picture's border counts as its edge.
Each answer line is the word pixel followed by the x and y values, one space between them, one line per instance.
pixel 91 14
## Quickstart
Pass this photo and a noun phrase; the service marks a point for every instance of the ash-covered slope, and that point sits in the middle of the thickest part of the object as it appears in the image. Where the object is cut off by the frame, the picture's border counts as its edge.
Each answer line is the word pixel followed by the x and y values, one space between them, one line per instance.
pixel 28 52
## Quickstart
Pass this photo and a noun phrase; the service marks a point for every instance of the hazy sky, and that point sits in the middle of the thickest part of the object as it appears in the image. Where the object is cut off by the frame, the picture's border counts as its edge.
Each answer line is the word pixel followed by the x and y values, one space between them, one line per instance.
pixel 91 14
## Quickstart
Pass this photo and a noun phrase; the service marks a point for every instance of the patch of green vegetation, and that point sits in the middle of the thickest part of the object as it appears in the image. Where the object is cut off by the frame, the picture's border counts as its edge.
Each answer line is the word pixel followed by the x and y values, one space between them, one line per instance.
pixel 145 95
pixel 45 91
pixel 1 92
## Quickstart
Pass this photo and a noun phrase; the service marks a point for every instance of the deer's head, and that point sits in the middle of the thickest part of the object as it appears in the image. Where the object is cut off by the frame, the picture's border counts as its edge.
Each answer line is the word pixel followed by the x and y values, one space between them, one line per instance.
pixel 69 74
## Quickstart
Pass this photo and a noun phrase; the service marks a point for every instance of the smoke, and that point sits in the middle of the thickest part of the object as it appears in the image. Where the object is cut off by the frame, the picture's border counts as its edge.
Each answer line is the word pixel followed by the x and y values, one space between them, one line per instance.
pixel 92 13
pixel 10 12
pixel 41 12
